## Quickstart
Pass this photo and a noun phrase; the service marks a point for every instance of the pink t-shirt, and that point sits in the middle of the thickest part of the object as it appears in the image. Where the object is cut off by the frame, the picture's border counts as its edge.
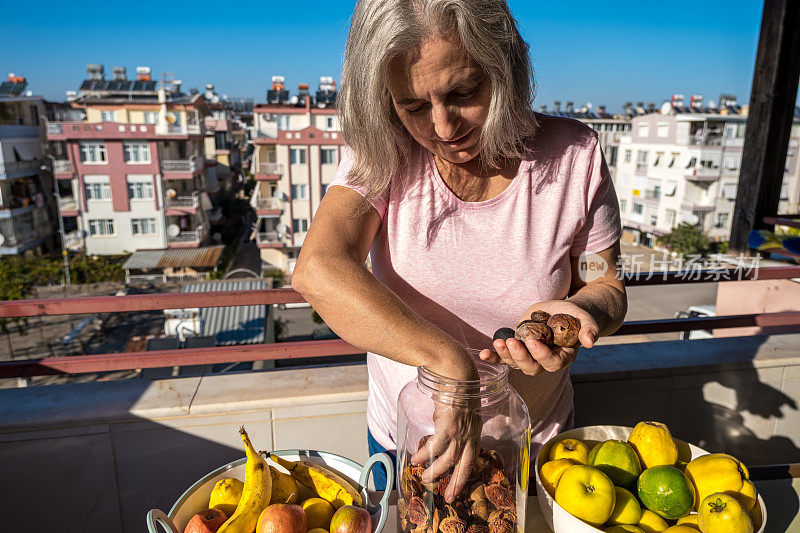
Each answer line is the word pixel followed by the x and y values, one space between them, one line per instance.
pixel 472 267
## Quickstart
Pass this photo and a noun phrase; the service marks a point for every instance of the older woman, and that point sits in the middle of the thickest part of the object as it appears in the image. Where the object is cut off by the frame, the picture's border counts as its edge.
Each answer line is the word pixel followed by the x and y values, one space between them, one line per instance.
pixel 475 211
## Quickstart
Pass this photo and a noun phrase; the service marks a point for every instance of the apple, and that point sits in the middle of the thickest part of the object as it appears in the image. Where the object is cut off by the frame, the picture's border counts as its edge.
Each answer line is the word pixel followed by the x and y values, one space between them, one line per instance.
pixel 282 518
pixel 351 519
pixel 208 521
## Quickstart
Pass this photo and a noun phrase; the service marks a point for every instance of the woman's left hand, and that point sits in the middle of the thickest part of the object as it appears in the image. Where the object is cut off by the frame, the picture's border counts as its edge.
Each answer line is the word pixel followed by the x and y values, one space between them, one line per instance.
pixel 534 357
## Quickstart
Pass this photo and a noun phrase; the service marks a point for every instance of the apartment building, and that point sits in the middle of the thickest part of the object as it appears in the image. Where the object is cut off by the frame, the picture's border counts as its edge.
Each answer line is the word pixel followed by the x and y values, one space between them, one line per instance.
pixel 224 141
pixel 681 164
pixel 132 174
pixel 297 147
pixel 27 206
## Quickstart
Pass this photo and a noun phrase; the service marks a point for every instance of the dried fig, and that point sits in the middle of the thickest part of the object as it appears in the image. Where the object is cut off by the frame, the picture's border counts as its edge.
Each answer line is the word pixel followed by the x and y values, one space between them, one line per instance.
pixel 540 316
pixel 499 496
pixel 528 329
pixel 565 330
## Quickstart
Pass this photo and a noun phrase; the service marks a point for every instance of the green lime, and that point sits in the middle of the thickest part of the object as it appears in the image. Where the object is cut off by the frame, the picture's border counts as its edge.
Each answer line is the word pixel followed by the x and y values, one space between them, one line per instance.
pixel 666 491
pixel 618 460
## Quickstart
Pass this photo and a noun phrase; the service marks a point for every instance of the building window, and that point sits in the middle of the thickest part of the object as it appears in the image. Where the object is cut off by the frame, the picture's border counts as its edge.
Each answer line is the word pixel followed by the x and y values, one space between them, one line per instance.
pixel 107 116
pixel 143 226
pixel 329 123
pixel 673 159
pixel 97 188
pixel 623 205
pixel 101 226
pixel 659 155
pixel 324 189
pixel 638 208
pixel 328 156
pixel 644 130
pixel 628 156
pixel 150 117
pixel 299 225
pixel 653 220
pixel 722 219
pixel 297 156
pixel 137 153
pixel 140 188
pixel 670 216
pixel 300 192
pixel 692 162
pixel 220 141
pixel 662 130
pixel 93 153
pixel 283 122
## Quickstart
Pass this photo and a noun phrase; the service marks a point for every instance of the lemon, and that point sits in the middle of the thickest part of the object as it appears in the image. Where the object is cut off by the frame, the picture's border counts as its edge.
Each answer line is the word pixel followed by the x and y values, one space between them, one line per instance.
pixel 681 528
pixel 666 491
pixel 570 449
pixel 626 509
pixel 618 460
pixel 551 472
pixel 318 513
pixel 225 495
pixel 624 528
pixel 650 522
pixel 722 513
pixel 586 493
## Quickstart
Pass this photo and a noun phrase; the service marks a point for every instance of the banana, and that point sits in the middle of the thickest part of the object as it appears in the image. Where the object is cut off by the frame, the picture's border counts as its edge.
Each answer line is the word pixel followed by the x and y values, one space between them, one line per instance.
pixel 327 483
pixel 256 493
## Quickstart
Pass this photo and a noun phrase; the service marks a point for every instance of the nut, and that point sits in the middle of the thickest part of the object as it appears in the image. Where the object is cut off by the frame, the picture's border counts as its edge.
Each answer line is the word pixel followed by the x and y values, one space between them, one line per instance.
pixel 409 485
pixel 442 482
pixel 501 526
pixel 477 492
pixel 500 496
pixel 418 512
pixel 453 524
pixel 565 330
pixel 493 474
pixel 497 458
pixel 478 528
pixel 423 440
pixel 480 509
pixel 503 333
pixel 540 316
pixel 528 329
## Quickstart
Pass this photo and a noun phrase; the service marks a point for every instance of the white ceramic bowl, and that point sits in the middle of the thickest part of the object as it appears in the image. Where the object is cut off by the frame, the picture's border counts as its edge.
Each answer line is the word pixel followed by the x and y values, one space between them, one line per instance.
pixel 196 497
pixel 559 520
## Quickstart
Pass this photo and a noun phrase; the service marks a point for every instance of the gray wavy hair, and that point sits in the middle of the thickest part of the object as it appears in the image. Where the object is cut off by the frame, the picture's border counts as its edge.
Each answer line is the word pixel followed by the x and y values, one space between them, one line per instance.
pixel 382 30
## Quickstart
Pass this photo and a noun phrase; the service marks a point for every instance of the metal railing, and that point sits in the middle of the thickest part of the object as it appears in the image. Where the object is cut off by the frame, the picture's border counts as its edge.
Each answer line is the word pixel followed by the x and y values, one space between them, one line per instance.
pixel 706 175
pixel 74 239
pixel 288 350
pixel 269 168
pixel 62 166
pixel 269 237
pixel 67 203
pixel 20 166
pixel 641 168
pixel 191 202
pixel 193 236
pixel 180 165
pixel 271 204
pixel 54 128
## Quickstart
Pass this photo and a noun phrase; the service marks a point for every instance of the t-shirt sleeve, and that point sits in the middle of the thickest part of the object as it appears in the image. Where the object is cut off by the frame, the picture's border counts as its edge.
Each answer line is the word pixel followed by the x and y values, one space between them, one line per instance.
pixel 601 227
pixel 342 178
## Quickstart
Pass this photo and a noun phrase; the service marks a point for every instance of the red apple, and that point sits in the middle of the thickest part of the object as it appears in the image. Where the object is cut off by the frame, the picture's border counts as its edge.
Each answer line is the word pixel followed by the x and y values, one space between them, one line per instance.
pixel 282 518
pixel 351 519
pixel 208 521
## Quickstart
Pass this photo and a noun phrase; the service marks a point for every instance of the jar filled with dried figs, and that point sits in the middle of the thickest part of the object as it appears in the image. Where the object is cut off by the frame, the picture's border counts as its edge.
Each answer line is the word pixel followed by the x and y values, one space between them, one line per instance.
pixel 463 454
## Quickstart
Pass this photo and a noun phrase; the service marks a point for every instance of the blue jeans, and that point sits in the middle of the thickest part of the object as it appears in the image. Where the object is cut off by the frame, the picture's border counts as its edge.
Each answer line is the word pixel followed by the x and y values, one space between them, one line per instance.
pixel 378 471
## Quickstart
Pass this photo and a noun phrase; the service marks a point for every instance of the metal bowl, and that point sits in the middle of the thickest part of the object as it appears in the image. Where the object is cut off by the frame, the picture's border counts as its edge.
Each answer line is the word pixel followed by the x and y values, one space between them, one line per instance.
pixel 559 520
pixel 196 497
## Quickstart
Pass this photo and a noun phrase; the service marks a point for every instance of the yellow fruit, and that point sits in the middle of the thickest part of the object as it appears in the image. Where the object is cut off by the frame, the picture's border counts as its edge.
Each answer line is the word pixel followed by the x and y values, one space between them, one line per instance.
pixel 587 493
pixel 650 522
pixel 716 472
pixel 570 449
pixel 551 472
pixel 682 528
pixel 327 483
pixel 689 519
pixel 318 513
pixel 747 496
pixel 756 516
pixel 284 487
pixel 626 508
pixel 624 528
pixel 722 513
pixel 226 495
pixel 317 530
pixel 256 493
pixel 654 445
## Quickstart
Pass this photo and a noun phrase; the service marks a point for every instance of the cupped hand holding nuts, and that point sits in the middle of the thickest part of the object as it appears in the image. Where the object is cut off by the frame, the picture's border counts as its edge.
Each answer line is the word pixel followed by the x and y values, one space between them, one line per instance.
pixel 557 337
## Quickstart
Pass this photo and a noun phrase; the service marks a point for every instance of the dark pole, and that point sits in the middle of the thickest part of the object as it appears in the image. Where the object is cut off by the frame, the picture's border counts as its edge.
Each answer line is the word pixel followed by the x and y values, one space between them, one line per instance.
pixel 772 100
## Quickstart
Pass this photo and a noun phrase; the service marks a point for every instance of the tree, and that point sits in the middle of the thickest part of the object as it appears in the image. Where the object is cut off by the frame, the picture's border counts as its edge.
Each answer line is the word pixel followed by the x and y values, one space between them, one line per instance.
pixel 686 239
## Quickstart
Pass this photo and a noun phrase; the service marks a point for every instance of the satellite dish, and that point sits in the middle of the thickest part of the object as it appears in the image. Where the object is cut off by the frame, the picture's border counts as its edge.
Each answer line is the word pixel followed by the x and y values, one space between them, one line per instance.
pixel 293 100
pixel 172 118
pixel 173 230
pixel 171 193
pixel 2 239
pixel 282 228
pixel 690 218
pixel 217 237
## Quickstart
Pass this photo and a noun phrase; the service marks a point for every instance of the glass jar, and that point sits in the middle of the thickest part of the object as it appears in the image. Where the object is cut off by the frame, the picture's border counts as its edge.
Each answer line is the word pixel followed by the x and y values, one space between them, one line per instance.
pixel 497 487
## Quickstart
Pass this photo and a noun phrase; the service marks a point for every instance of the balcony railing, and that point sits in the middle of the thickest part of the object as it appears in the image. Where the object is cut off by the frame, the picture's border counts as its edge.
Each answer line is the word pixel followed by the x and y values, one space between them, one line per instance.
pixel 269 204
pixel 190 202
pixel 288 350
pixel 268 168
pixel 652 195
pixel 20 166
pixel 190 237
pixel 181 165
pixel 712 140
pixel 61 166
pixel 704 175
pixel 68 203
pixel 74 240
pixel 641 169
pixel 269 237
pixel 54 128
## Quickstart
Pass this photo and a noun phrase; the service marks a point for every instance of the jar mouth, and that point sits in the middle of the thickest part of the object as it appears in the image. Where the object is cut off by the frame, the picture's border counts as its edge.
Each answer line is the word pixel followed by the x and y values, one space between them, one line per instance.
pixel 492 380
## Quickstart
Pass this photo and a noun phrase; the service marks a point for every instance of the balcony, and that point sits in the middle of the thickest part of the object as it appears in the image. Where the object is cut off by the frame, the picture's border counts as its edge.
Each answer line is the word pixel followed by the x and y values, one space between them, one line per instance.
pixel 267 206
pixel 268 171
pixel 177 169
pixel 188 239
pixel 703 175
pixel 73 240
pixel 652 195
pixel 68 205
pixel 641 169
pixel 23 228
pixel 711 141
pixel 698 205
pixel 183 203
pixel 15 169
pixel 62 131
pixel 62 168
pixel 270 239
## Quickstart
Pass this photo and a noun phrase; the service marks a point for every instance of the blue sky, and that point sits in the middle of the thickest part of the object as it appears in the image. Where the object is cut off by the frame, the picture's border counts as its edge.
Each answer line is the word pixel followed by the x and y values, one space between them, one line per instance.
pixel 600 52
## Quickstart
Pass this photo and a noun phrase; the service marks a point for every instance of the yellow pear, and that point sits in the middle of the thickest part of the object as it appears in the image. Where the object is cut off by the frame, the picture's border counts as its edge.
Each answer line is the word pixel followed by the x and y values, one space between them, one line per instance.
pixel 226 495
